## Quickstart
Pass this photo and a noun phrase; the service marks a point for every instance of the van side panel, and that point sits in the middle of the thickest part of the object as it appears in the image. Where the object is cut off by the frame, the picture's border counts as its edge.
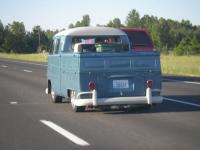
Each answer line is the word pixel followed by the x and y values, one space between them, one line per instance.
pixel 53 72
pixel 69 73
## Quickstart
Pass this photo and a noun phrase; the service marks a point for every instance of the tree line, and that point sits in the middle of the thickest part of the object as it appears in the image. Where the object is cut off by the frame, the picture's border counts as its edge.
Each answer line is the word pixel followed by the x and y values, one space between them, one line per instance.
pixel 169 36
pixel 15 39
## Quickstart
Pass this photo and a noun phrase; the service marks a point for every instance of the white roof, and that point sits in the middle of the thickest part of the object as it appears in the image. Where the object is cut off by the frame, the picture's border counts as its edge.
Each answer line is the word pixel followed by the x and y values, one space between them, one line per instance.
pixel 90 31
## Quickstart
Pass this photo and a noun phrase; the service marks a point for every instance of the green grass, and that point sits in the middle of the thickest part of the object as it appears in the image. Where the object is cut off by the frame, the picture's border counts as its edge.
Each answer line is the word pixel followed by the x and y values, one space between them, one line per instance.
pixel 174 65
pixel 180 65
pixel 40 57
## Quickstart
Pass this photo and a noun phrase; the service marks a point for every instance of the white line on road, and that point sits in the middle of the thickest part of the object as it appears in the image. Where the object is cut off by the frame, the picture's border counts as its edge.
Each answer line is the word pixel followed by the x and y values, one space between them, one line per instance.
pixel 4 66
pixel 13 103
pixel 182 102
pixel 28 71
pixel 65 133
pixel 190 82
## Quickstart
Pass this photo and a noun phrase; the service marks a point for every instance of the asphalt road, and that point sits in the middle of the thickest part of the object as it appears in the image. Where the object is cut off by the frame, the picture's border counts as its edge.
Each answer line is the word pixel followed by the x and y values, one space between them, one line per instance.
pixel 30 121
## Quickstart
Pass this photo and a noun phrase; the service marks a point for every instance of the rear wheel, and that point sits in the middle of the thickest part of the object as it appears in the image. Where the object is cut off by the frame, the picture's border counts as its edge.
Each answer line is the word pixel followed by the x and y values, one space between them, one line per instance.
pixel 55 98
pixel 79 108
pixel 105 108
pixel 147 107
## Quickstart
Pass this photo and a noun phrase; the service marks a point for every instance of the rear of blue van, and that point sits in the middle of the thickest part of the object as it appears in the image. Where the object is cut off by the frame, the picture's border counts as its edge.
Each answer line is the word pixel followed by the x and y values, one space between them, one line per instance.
pixel 119 79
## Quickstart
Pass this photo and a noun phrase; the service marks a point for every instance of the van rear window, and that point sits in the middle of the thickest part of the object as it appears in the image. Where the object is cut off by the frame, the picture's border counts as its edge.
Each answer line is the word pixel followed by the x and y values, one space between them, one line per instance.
pixel 99 44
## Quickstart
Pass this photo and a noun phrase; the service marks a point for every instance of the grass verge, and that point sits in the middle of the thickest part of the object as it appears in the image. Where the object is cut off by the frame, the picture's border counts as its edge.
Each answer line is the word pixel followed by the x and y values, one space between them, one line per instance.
pixel 173 65
pixel 180 65
pixel 40 57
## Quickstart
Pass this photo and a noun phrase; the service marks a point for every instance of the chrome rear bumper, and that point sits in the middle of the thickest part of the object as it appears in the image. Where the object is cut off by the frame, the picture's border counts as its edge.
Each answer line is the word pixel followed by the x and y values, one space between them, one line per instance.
pixel 94 101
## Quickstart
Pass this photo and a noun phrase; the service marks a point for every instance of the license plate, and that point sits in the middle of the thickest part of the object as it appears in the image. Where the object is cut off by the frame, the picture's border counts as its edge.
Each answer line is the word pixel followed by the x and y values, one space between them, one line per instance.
pixel 120 84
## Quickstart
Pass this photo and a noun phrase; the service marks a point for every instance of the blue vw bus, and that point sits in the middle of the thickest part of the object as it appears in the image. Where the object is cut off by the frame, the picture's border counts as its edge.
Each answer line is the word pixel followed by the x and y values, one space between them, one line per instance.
pixel 95 67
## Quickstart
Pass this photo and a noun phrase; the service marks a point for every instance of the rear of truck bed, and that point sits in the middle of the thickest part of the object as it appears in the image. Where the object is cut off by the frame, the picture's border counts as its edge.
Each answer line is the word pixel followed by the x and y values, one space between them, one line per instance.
pixel 119 79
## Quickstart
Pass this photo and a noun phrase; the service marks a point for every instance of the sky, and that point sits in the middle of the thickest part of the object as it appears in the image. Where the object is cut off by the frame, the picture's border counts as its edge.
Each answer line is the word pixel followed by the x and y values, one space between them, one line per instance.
pixel 58 14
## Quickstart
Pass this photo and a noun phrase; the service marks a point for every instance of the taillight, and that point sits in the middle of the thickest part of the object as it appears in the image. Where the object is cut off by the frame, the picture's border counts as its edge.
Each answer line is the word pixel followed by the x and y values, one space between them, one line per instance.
pixel 149 83
pixel 91 85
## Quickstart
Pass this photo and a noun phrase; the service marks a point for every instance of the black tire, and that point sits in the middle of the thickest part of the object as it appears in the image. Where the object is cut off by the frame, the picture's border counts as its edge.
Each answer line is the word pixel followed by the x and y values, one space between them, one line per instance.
pixel 48 91
pixel 78 108
pixel 105 108
pixel 56 98
pixel 147 107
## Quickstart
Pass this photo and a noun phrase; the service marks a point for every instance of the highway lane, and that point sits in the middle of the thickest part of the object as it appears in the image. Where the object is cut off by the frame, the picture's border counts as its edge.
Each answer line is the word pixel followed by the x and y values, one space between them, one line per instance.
pixel 171 125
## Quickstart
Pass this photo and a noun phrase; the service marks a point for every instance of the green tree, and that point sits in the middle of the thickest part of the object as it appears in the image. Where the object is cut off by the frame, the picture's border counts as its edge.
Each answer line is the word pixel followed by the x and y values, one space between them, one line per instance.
pixel 196 33
pixel 32 40
pixel 40 39
pixel 163 31
pixel 71 26
pixel 85 21
pixel 155 36
pixel 31 44
pixel 1 35
pixel 78 24
pixel 49 34
pixel 110 23
pixel 184 47
pixel 37 33
pixel 133 19
pixel 116 23
pixel 15 35
pixel 187 24
pixel 194 46
pixel 148 22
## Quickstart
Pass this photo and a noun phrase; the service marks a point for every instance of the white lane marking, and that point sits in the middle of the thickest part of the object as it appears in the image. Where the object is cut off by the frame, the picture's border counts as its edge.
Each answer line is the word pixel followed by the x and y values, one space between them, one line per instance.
pixel 182 102
pixel 22 62
pixel 13 103
pixel 190 82
pixel 4 66
pixel 65 133
pixel 28 71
